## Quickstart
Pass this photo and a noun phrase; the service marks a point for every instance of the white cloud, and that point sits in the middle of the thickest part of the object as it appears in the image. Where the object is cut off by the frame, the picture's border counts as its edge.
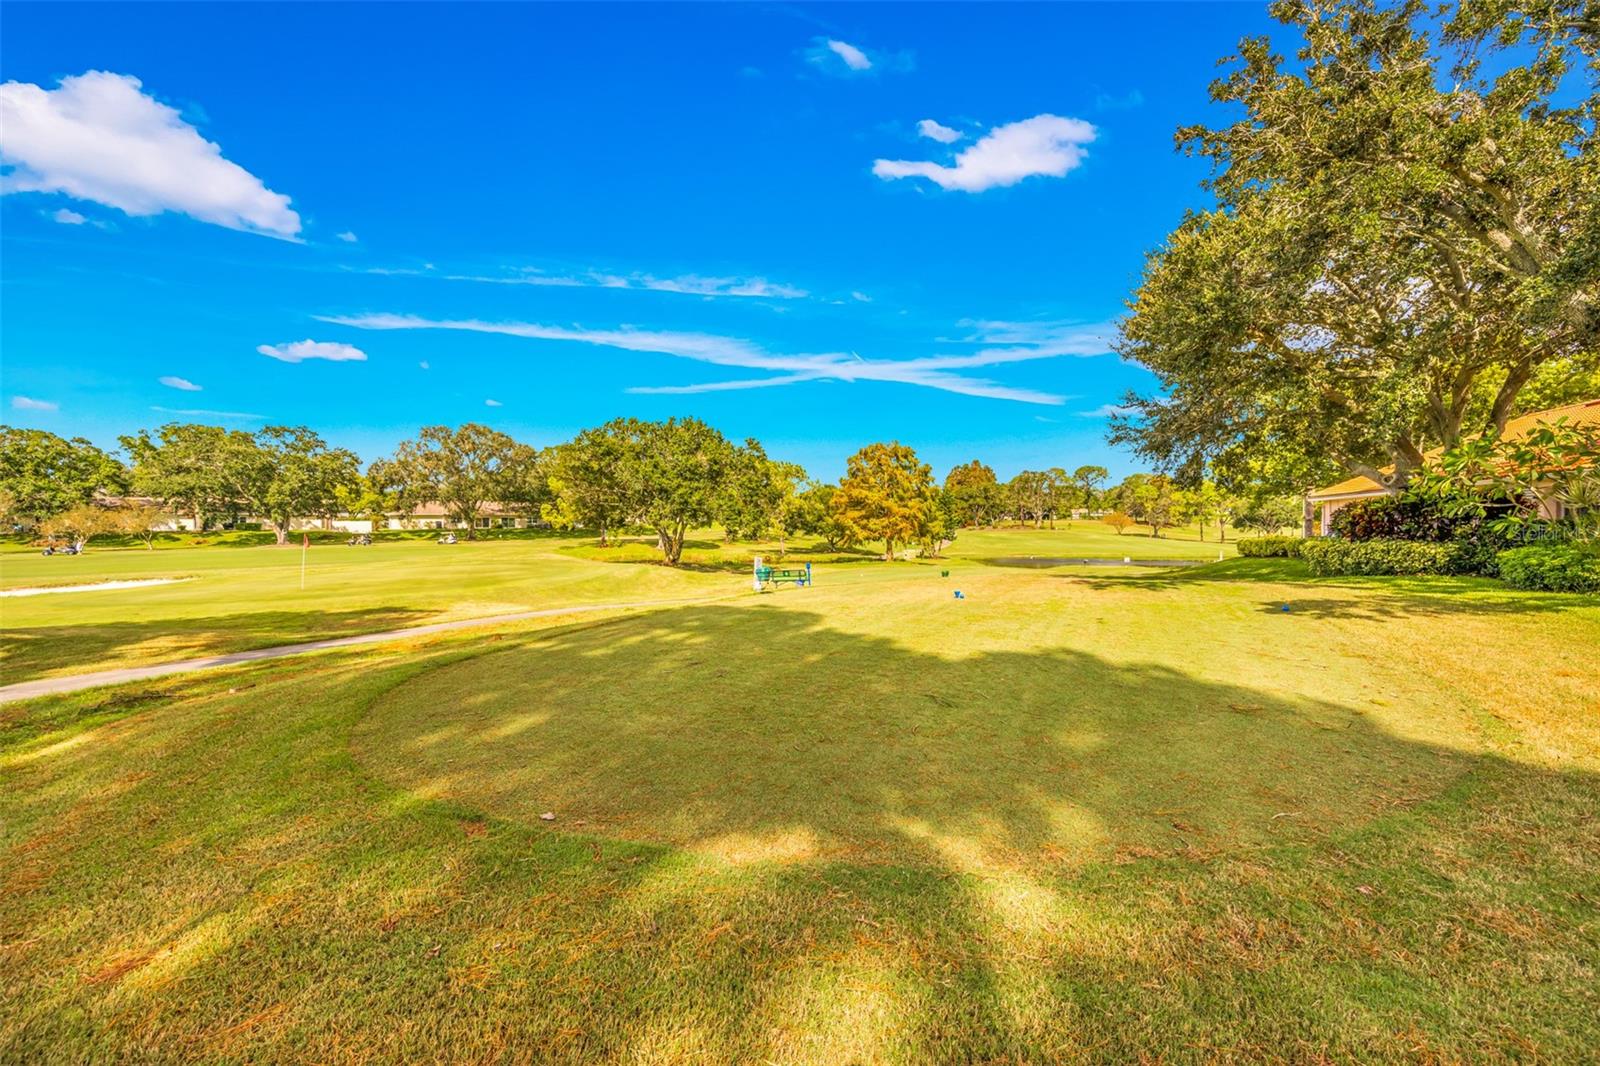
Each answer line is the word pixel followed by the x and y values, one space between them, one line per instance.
pixel 300 351
pixel 1046 145
pixel 99 137
pixel 853 57
pixel 861 297
pixel 493 403
pixel 1106 410
pixel 1010 341
pixel 348 237
pixel 69 218
pixel 696 285
pixel 423 364
pixel 686 284
pixel 28 403
pixel 183 384
pixel 201 412
pixel 936 131
pixel 940 372
pixel 845 60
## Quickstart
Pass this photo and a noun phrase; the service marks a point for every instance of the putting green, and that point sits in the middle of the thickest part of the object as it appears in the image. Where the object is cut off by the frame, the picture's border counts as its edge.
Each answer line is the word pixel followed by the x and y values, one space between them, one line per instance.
pixel 1015 730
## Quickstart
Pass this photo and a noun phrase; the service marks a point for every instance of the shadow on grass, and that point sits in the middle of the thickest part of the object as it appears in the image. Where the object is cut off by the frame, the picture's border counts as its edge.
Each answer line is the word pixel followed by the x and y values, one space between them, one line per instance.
pixel 1379 596
pixel 27 653
pixel 764 735
pixel 222 871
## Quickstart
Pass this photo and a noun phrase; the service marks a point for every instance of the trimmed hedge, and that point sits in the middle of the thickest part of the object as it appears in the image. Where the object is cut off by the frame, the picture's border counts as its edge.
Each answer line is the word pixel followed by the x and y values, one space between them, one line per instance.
pixel 1550 568
pixel 1271 547
pixel 1339 558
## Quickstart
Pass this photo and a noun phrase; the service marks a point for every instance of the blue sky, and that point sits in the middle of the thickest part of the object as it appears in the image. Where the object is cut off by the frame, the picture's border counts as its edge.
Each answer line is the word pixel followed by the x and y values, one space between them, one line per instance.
pixel 816 225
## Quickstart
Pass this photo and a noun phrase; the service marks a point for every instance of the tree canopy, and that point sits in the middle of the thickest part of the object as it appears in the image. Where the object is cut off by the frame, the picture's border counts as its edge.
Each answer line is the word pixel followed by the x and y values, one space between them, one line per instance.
pixel 886 494
pixel 187 467
pixel 975 495
pixel 667 476
pixel 677 472
pixel 462 469
pixel 287 472
pixel 42 474
pixel 1401 244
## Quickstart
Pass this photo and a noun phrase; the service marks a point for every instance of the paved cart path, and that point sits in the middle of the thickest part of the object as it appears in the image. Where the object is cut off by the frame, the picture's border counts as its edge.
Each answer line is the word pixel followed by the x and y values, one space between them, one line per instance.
pixel 48 686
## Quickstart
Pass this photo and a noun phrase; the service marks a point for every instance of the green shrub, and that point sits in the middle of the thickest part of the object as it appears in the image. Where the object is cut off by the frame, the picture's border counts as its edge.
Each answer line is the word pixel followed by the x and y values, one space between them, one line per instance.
pixel 1551 568
pixel 1338 558
pixel 1403 517
pixel 1273 547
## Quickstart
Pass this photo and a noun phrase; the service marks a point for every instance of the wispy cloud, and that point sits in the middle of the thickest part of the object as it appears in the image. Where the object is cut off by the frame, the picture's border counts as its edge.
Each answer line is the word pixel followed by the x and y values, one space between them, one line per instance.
pixel 936 131
pixel 1108 102
pixel 100 137
pixel 853 57
pixel 845 60
pixel 300 351
pixel 68 218
pixel 1106 410
pixel 941 372
pixel 1040 339
pixel 1044 146
pixel 201 412
pixel 684 284
pixel 348 237
pixel 28 403
pixel 493 403
pixel 182 384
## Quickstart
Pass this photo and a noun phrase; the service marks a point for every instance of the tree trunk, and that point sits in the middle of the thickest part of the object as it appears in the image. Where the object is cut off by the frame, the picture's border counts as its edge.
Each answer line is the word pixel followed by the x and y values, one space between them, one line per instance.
pixel 888 550
pixel 1222 531
pixel 281 531
pixel 1507 396
pixel 1202 525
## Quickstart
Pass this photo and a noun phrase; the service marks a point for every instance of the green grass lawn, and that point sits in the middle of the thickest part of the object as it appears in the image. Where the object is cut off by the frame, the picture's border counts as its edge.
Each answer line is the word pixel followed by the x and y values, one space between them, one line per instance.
pixel 241 594
pixel 1079 815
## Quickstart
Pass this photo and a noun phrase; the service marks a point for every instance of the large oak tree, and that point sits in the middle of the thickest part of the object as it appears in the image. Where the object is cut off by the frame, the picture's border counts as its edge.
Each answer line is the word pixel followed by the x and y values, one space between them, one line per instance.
pixel 42 474
pixel 463 469
pixel 1401 244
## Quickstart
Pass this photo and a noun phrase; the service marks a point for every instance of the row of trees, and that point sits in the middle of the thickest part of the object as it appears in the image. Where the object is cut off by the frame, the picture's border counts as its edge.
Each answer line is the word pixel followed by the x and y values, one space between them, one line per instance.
pixel 978 498
pixel 667 477
pixel 1159 502
pixel 1404 251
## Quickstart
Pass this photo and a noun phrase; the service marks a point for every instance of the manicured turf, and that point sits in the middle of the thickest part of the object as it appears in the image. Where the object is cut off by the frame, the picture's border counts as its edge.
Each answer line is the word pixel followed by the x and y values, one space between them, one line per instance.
pixel 1076 816
pixel 245 595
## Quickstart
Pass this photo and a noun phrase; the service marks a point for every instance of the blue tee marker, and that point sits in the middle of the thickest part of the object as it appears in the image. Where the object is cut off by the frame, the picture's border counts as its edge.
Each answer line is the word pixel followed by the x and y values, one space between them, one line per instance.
pixel 961 597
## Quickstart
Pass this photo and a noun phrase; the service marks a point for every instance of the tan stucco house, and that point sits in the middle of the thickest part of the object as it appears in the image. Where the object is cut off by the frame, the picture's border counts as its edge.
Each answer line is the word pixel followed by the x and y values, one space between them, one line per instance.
pixel 1323 503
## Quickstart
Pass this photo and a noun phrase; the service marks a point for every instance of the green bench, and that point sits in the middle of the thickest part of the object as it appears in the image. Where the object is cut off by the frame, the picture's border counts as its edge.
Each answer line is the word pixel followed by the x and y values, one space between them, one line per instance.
pixel 772 575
